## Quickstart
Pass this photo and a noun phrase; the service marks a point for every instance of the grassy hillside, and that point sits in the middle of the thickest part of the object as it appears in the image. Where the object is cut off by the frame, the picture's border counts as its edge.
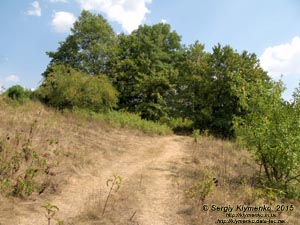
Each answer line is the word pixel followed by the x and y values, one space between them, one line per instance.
pixel 237 184
pixel 71 160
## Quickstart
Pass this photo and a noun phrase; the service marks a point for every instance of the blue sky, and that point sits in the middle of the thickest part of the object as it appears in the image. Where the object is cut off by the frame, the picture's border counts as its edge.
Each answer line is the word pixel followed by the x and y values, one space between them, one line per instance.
pixel 268 28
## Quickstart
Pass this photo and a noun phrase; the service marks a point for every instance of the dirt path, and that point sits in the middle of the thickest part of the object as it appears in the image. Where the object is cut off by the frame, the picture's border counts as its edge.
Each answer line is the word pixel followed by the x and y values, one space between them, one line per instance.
pixel 149 192
pixel 160 201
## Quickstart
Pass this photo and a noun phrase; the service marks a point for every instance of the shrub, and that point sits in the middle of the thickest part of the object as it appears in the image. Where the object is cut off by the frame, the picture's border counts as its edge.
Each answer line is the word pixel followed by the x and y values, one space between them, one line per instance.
pixel 178 125
pixel 272 133
pixel 65 87
pixel 18 93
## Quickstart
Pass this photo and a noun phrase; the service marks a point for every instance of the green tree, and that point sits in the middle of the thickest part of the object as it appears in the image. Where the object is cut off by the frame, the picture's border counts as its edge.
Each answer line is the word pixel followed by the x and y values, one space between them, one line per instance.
pixel 145 70
pixel 235 80
pixel 189 97
pixel 89 48
pixel 214 88
pixel 65 87
pixel 272 133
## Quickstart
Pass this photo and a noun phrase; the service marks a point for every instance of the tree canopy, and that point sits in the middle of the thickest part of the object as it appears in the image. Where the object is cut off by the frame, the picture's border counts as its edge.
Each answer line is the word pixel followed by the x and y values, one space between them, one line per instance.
pixel 146 69
pixel 160 78
pixel 89 48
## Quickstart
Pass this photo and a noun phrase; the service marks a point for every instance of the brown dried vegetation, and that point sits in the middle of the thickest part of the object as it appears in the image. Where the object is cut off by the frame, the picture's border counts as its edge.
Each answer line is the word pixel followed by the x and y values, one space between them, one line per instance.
pixel 165 179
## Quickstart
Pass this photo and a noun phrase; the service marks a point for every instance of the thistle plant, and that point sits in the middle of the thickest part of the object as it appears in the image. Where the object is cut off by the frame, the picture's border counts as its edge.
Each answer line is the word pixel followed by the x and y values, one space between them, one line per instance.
pixel 114 184
pixel 50 211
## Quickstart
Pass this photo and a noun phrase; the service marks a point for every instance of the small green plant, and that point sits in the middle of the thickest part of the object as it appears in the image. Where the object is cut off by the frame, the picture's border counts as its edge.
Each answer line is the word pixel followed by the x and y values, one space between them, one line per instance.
pixel 20 164
pixel 25 185
pixel 270 195
pixel 60 222
pixel 50 212
pixel 196 135
pixel 200 190
pixel 114 184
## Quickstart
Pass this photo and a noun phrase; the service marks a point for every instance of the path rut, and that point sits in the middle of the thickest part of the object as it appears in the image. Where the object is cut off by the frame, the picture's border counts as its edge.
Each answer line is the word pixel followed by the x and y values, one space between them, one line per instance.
pixel 149 171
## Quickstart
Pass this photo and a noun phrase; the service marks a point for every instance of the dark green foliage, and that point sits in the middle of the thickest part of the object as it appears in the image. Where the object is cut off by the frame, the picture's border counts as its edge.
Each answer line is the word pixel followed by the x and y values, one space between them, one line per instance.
pixel 90 47
pixel 215 88
pixel 65 87
pixel 189 97
pixel 145 69
pixel 234 81
pixel 157 77
pixel 18 93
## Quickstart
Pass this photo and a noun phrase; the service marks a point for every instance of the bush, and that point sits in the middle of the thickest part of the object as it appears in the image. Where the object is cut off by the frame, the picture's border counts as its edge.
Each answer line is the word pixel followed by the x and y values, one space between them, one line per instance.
pixel 18 93
pixel 65 87
pixel 272 133
pixel 178 125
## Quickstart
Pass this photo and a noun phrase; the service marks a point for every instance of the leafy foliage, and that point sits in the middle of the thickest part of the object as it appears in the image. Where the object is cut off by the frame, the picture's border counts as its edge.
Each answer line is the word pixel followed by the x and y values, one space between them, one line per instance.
pixel 272 132
pixel 90 47
pixel 215 88
pixel 200 190
pixel 145 69
pixel 189 97
pixel 17 93
pixel 159 78
pixel 65 87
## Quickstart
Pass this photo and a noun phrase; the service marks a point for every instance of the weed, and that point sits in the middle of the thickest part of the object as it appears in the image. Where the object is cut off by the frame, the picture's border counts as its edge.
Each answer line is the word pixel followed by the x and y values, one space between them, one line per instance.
pixel 52 141
pixel 114 185
pixel 50 212
pixel 196 135
pixel 20 164
pixel 60 222
pixel 200 190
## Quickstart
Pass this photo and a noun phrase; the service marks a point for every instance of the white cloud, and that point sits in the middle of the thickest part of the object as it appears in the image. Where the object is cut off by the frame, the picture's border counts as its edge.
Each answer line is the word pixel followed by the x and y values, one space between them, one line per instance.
pixel 164 21
pixel 282 59
pixel 35 9
pixel 62 21
pixel 129 13
pixel 12 78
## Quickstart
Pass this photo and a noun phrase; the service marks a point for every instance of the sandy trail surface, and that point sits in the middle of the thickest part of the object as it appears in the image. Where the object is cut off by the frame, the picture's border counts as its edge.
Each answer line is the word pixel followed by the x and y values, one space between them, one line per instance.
pixel 149 192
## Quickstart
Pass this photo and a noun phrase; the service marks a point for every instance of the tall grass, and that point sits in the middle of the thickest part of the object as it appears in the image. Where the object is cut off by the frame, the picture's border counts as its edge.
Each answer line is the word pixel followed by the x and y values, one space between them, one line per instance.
pixel 112 118
pixel 126 120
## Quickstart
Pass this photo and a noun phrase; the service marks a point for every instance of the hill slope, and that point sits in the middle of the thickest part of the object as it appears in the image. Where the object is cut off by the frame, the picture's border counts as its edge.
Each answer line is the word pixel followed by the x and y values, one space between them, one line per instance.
pixel 163 178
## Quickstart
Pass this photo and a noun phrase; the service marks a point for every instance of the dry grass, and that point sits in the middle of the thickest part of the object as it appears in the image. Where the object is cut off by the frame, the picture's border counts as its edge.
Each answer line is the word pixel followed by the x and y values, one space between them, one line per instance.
pixel 236 172
pixel 156 172
pixel 72 146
